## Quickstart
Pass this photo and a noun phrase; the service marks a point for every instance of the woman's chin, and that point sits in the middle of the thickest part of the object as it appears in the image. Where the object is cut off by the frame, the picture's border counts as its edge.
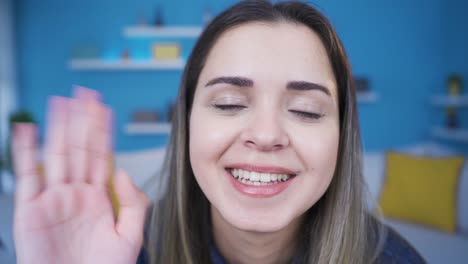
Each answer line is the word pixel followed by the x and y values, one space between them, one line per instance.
pixel 258 223
pixel 259 227
pixel 254 218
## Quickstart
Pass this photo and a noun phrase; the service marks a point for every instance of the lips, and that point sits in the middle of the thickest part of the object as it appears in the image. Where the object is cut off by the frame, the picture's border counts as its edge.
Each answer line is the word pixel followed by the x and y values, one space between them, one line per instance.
pixel 259 181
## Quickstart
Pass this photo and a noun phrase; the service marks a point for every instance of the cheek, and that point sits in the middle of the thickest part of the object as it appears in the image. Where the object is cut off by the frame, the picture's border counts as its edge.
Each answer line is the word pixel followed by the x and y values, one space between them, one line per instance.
pixel 319 151
pixel 318 145
pixel 325 151
pixel 209 138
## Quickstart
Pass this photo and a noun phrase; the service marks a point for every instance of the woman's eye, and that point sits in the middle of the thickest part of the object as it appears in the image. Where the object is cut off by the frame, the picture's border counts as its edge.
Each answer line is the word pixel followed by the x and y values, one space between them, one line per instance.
pixel 229 107
pixel 306 115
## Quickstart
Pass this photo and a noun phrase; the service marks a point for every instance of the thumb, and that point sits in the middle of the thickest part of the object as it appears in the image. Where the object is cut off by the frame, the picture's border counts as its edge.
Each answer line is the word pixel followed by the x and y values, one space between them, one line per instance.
pixel 132 208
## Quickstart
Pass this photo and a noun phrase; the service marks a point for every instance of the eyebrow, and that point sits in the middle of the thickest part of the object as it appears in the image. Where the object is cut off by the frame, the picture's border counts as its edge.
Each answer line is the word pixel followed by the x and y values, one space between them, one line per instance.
pixel 307 86
pixel 292 85
pixel 236 81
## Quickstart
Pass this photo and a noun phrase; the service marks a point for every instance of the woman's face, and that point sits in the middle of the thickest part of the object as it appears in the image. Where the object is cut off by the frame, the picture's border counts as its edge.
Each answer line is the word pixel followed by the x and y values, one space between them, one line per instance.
pixel 264 126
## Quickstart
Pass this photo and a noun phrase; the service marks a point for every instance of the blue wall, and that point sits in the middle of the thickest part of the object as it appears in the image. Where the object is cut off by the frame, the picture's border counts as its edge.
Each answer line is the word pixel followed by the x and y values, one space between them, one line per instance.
pixel 455 47
pixel 405 48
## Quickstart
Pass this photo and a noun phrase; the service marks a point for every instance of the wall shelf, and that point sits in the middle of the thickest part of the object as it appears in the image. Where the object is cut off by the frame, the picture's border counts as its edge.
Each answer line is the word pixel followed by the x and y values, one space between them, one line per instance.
pixel 459 135
pixel 366 97
pixel 99 64
pixel 164 31
pixel 148 129
pixel 446 100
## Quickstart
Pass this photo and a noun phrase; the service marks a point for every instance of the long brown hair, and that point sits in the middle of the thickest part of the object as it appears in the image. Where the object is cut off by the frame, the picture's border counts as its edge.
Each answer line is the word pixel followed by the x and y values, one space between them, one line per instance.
pixel 337 229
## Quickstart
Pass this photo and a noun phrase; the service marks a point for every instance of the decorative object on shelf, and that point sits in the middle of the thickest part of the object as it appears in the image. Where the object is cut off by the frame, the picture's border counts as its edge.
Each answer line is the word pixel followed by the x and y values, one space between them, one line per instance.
pixel 452 118
pixel 125 55
pixel 147 122
pixel 166 51
pixel 455 85
pixel 158 20
pixel 363 92
pixel 361 84
pixel 145 116
pixel 453 129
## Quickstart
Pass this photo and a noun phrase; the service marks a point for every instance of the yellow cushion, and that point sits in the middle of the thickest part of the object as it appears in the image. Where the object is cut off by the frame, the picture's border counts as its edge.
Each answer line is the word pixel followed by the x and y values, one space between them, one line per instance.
pixel 421 190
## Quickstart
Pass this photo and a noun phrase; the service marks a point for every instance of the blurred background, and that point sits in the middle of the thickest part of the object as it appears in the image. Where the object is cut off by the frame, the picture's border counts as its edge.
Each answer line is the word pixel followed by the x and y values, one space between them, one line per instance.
pixel 409 60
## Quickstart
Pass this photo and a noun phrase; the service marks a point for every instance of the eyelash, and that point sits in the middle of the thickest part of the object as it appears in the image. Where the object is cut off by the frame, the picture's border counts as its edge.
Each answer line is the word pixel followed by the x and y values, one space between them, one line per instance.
pixel 228 107
pixel 305 115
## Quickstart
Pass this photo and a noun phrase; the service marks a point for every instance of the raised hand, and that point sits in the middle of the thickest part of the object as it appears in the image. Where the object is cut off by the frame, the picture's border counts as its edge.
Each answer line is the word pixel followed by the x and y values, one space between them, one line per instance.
pixel 66 215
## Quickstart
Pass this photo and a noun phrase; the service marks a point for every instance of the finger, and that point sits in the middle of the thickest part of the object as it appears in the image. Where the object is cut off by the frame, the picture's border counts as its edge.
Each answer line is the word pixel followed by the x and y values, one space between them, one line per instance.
pixel 101 146
pixel 133 205
pixel 77 136
pixel 24 159
pixel 84 93
pixel 55 150
pixel 80 129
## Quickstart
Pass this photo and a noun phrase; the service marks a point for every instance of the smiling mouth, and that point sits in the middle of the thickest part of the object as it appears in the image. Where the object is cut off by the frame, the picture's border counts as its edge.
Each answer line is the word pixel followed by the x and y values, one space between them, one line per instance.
pixel 257 178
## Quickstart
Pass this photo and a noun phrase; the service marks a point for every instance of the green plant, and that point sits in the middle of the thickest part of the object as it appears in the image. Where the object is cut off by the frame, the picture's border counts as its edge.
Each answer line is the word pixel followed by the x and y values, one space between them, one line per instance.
pixel 455 84
pixel 16 117
pixel 454 78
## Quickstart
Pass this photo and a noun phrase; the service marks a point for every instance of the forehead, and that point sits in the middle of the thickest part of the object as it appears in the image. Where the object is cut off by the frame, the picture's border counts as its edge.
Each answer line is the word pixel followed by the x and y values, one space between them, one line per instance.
pixel 278 51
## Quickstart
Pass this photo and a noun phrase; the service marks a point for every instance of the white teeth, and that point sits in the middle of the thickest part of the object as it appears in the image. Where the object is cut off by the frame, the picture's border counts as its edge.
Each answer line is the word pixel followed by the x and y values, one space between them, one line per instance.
pixel 274 177
pixel 265 177
pixel 256 178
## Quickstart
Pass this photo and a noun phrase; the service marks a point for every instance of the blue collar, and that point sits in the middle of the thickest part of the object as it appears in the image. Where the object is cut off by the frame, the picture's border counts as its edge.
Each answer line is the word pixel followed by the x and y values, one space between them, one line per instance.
pixel 216 257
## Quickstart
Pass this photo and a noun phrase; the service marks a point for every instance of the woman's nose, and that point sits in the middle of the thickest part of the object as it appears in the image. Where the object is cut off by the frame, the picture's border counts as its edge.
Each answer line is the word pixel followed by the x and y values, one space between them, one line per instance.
pixel 265 132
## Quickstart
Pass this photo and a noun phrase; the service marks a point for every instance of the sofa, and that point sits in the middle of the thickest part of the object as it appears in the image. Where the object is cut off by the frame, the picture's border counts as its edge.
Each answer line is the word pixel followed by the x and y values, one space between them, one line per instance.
pixel 434 245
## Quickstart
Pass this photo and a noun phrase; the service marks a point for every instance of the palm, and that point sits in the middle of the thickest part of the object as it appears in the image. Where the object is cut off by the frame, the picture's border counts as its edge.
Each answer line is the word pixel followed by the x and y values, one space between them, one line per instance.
pixel 71 219
pixel 78 220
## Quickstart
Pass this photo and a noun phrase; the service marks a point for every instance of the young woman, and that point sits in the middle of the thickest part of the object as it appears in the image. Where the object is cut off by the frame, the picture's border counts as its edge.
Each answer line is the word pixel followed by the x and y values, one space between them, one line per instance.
pixel 263 163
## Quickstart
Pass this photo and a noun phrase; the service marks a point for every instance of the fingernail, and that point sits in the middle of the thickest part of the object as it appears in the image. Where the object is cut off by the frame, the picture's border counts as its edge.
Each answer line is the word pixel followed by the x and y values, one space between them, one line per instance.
pixel 84 93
